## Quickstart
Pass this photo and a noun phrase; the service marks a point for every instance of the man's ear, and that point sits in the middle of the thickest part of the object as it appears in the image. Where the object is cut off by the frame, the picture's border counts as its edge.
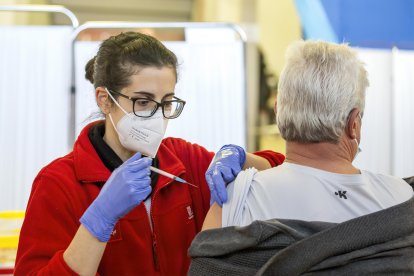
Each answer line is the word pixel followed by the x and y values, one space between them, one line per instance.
pixel 103 100
pixel 352 123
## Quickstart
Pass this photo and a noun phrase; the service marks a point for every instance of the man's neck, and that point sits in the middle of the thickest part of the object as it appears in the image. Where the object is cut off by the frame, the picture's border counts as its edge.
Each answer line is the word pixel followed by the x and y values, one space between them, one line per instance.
pixel 329 157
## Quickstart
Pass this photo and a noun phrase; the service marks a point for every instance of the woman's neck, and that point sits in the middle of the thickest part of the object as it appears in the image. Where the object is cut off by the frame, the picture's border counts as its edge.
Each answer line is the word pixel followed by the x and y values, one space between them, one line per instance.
pixel 112 139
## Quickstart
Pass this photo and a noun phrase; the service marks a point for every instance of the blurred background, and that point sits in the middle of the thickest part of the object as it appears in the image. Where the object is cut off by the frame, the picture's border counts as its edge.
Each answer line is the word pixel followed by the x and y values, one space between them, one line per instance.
pixel 231 53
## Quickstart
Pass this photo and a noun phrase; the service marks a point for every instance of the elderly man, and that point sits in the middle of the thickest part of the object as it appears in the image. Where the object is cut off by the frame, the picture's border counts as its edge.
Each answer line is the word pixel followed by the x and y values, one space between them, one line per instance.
pixel 321 204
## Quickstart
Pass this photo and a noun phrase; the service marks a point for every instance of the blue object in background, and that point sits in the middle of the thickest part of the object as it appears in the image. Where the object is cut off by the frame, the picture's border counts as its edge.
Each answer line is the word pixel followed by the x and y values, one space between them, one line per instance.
pixel 372 23
pixel 315 23
pixel 362 23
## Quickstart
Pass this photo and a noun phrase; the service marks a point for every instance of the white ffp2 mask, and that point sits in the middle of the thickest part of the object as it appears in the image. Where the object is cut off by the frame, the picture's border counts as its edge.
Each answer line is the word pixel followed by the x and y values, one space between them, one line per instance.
pixel 139 134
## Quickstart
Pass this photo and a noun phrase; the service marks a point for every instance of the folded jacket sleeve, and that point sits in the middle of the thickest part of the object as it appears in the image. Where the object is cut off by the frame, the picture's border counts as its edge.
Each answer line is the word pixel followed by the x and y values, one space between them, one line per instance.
pixel 274 158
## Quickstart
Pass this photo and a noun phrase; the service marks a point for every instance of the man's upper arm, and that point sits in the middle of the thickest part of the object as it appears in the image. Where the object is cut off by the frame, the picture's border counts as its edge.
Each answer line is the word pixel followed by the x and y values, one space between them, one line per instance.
pixel 213 218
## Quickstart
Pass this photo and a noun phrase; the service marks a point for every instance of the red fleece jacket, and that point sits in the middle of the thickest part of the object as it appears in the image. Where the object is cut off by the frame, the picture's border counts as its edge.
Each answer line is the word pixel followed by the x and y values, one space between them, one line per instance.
pixel 64 189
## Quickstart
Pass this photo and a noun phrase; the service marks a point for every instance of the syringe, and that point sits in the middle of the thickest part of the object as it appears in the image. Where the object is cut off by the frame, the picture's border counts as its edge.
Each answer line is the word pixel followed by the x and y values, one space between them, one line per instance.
pixel 176 178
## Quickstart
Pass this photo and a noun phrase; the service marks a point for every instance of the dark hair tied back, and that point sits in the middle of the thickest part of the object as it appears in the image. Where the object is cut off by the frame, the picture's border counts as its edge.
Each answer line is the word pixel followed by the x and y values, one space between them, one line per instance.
pixel 121 56
pixel 89 69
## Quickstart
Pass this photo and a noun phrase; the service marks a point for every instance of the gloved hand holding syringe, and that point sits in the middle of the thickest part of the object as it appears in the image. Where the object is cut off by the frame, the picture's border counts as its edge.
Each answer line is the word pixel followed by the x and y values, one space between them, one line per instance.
pixel 169 175
pixel 126 188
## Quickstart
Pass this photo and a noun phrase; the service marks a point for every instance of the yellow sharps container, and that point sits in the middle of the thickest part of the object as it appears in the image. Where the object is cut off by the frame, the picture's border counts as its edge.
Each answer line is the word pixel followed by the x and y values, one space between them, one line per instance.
pixel 10 224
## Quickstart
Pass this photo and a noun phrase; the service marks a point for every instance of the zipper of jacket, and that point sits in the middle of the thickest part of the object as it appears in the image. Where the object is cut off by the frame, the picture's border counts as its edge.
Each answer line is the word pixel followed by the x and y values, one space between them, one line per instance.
pixel 154 236
pixel 154 252
pixel 154 241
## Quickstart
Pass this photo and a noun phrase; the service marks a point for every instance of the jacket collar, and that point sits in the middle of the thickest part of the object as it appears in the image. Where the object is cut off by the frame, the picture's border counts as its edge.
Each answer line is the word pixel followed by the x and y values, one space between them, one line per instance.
pixel 90 168
pixel 169 162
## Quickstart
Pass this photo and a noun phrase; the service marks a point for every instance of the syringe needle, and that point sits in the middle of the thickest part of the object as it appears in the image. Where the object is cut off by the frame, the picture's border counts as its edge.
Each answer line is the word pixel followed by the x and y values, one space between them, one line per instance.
pixel 169 175
pixel 183 181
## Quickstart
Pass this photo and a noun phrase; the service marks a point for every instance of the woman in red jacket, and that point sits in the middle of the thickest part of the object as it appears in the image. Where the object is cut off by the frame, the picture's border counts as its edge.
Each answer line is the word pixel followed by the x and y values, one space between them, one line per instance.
pixel 99 209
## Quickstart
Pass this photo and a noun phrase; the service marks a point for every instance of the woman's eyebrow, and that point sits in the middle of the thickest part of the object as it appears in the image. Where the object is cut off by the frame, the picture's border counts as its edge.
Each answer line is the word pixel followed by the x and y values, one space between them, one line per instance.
pixel 151 95
pixel 145 94
pixel 168 95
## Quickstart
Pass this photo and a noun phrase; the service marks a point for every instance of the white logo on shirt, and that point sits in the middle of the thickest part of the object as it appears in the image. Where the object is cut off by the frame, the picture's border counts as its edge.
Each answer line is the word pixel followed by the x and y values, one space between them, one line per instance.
pixel 190 212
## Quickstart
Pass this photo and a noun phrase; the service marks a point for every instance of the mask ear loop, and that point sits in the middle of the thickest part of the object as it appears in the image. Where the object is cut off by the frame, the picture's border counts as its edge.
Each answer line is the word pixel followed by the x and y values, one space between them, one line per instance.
pixel 107 91
pixel 358 148
pixel 110 117
pixel 112 121
pixel 355 139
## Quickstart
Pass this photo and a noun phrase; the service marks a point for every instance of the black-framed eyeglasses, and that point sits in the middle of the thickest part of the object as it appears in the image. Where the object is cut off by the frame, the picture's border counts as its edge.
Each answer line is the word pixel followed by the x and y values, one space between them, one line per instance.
pixel 145 107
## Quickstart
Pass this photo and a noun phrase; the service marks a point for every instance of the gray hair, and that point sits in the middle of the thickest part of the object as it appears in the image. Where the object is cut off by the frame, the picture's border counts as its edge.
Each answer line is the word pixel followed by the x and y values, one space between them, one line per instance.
pixel 319 86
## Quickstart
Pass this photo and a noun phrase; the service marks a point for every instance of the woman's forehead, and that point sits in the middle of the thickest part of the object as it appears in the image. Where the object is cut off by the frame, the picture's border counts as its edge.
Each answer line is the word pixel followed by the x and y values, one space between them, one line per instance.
pixel 152 80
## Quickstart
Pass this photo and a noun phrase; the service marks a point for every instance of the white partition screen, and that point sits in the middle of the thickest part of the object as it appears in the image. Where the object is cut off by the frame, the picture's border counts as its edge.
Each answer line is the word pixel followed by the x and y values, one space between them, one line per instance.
pixel 388 123
pixel 210 79
pixel 403 115
pixel 376 123
pixel 34 105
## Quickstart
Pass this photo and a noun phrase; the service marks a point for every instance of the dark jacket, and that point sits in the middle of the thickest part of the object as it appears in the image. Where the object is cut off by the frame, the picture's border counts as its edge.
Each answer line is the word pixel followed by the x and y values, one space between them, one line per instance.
pixel 378 243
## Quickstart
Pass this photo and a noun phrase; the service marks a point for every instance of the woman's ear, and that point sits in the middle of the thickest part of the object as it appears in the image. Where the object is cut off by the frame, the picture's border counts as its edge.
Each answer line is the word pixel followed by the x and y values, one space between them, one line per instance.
pixel 103 100
pixel 351 128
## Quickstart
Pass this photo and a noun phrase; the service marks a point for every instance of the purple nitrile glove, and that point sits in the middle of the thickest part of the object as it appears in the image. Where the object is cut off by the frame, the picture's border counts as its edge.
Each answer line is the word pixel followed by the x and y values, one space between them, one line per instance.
pixel 226 165
pixel 127 187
